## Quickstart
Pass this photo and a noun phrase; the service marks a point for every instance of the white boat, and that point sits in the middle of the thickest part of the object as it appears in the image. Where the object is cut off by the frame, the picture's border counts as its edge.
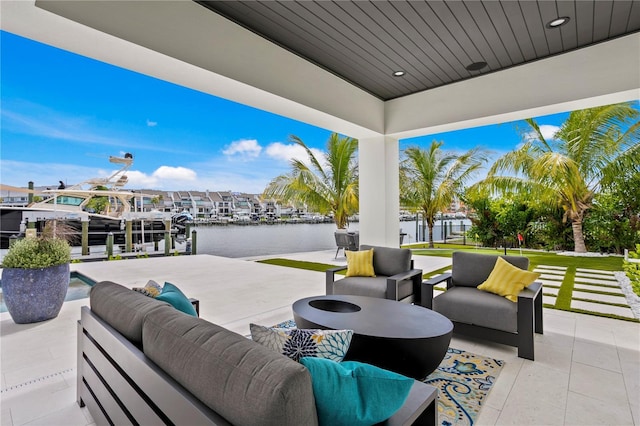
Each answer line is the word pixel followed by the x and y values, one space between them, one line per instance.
pixel 99 201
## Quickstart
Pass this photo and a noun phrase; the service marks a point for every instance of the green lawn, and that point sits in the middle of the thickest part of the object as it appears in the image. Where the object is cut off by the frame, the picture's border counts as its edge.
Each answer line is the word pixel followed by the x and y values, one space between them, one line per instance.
pixel 300 264
pixel 610 263
pixel 535 258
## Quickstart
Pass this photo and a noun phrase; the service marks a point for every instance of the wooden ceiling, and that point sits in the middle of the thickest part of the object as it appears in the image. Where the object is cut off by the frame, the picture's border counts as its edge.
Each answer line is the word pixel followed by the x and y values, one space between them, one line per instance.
pixel 433 42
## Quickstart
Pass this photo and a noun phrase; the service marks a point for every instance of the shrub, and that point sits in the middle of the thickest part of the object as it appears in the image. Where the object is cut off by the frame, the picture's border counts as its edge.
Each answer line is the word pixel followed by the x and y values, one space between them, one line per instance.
pixel 37 253
pixel 632 269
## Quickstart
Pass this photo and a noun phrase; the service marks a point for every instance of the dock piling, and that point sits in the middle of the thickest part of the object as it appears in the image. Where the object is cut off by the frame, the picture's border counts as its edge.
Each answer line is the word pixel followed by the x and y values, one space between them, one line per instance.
pixel 167 237
pixel 109 245
pixel 85 237
pixel 129 236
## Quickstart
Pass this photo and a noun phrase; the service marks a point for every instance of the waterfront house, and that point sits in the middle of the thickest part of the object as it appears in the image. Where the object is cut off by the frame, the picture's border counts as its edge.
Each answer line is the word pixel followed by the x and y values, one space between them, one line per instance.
pixel 380 72
pixel 226 206
pixel 201 205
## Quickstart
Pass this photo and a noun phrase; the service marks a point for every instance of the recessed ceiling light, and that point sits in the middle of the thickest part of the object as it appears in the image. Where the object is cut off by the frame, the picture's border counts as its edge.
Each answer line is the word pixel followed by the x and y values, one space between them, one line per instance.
pixel 398 73
pixel 558 22
pixel 476 66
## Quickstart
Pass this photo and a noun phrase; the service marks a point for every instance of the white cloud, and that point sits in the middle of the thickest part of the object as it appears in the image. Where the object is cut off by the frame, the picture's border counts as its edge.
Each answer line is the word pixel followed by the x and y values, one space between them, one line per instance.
pixel 244 149
pixel 151 123
pixel 164 177
pixel 19 173
pixel 141 180
pixel 287 152
pixel 175 173
pixel 548 131
pixel 218 174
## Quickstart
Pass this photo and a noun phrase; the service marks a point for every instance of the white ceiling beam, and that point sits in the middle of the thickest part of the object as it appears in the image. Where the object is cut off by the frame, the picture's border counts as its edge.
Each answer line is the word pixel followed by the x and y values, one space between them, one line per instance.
pixel 601 74
pixel 186 44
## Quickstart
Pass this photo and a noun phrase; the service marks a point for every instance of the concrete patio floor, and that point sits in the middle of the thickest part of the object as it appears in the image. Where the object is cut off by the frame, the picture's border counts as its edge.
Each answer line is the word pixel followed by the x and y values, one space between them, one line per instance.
pixel 587 369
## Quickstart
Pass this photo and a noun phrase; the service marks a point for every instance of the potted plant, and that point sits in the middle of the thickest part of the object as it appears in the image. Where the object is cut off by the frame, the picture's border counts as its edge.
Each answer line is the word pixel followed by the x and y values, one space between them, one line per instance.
pixel 35 277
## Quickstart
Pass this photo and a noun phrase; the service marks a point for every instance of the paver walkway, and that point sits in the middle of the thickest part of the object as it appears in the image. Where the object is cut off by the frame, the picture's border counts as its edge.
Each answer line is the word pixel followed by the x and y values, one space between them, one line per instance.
pixel 594 290
pixel 551 278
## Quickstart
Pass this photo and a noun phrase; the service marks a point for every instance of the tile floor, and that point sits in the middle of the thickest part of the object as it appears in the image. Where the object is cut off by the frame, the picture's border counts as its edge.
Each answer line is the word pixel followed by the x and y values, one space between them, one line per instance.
pixel 587 369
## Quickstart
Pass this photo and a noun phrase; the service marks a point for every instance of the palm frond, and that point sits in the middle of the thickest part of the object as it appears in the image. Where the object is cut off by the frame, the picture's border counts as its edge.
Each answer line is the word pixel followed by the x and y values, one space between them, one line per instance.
pixel 327 187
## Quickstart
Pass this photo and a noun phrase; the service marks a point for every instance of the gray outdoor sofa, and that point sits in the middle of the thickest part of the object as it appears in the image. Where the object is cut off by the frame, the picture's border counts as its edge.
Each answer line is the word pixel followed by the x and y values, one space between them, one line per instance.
pixel 482 314
pixel 140 361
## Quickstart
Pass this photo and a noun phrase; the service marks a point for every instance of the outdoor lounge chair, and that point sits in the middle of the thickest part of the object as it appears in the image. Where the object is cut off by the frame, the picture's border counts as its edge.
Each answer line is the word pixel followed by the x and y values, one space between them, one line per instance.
pixel 346 240
pixel 395 278
pixel 487 315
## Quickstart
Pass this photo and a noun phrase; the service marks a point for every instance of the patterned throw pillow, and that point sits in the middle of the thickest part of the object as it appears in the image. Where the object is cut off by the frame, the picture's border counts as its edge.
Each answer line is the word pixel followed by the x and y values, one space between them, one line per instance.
pixel 297 343
pixel 152 289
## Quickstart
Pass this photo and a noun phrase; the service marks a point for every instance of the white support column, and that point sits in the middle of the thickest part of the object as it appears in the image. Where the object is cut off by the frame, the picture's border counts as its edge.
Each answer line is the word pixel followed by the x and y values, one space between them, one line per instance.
pixel 379 191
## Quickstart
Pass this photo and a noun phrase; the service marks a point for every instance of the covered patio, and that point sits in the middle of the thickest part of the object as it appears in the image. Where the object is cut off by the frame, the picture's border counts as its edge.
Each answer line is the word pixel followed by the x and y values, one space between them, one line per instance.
pixel 586 370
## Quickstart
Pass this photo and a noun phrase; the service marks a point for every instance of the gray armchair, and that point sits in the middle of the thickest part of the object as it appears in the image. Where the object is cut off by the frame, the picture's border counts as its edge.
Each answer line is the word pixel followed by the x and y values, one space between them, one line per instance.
pixel 486 315
pixel 395 279
pixel 346 240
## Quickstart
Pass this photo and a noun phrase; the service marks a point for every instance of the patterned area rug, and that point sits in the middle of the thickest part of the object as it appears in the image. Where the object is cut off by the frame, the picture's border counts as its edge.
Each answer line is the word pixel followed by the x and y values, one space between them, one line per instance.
pixel 463 380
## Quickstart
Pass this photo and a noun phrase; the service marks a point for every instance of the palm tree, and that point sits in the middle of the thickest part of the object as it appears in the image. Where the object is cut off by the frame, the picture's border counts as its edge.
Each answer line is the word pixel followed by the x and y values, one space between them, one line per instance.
pixel 156 200
pixel 430 179
pixel 589 151
pixel 329 186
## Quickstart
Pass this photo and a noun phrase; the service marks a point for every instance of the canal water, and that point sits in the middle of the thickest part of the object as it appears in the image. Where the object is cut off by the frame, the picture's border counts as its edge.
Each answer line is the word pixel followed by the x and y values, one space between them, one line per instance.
pixel 265 240
pixel 258 240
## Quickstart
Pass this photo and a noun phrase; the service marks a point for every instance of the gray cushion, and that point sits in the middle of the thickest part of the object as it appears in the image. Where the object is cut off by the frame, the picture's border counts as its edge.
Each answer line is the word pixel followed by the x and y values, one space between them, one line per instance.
pixel 243 381
pixel 472 306
pixel 472 269
pixel 122 308
pixel 388 261
pixel 371 287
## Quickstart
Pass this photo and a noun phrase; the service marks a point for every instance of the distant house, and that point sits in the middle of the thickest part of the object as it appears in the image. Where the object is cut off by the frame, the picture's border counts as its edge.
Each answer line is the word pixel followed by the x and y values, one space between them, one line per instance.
pixel 19 196
pixel 201 204
pixel 14 198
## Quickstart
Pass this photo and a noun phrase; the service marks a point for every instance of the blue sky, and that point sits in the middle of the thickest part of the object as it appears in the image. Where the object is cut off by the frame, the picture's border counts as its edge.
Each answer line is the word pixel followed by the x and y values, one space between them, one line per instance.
pixel 63 115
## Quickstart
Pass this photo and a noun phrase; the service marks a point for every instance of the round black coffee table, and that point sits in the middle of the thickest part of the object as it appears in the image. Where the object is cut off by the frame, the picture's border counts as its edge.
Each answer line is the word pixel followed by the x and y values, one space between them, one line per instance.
pixel 408 339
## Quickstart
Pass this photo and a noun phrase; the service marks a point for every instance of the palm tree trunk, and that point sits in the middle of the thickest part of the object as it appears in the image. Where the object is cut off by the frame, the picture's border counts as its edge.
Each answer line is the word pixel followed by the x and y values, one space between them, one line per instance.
pixel 578 237
pixel 341 221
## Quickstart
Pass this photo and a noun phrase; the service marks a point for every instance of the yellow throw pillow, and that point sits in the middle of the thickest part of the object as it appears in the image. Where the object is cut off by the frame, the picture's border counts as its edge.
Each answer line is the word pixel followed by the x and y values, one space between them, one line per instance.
pixel 360 263
pixel 507 280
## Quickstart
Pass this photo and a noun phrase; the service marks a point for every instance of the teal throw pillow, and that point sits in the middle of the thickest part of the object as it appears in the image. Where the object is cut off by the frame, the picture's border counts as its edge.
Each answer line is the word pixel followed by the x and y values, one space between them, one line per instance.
pixel 172 294
pixel 352 393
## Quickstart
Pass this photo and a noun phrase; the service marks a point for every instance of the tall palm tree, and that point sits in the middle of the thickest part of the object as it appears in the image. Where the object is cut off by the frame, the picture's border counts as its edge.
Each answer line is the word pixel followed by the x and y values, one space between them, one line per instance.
pixel 430 179
pixel 592 147
pixel 329 186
